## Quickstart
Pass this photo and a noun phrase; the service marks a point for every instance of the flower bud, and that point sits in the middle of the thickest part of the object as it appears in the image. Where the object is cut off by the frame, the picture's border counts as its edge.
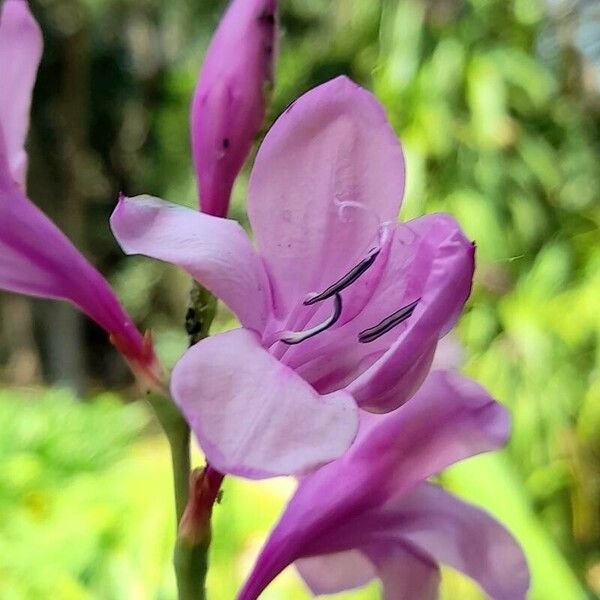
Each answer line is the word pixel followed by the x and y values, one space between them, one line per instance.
pixel 205 485
pixel 229 101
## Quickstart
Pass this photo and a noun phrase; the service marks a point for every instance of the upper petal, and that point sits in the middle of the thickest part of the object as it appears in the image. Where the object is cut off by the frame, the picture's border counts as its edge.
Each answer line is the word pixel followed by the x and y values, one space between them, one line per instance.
pixel 332 145
pixel 215 251
pixel 252 415
pixel 37 259
pixel 20 53
pixel 449 419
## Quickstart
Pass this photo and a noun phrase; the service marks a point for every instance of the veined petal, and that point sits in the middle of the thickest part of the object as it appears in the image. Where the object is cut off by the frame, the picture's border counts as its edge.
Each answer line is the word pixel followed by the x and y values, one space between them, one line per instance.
pixel 252 415
pixel 450 418
pixel 215 251
pixel 20 53
pixel 37 259
pixel 332 146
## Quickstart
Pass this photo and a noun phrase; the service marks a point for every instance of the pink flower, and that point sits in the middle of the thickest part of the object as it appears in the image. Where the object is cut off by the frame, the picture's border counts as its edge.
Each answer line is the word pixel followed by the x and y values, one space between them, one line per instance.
pixel 340 305
pixel 20 54
pixel 35 256
pixel 229 103
pixel 371 513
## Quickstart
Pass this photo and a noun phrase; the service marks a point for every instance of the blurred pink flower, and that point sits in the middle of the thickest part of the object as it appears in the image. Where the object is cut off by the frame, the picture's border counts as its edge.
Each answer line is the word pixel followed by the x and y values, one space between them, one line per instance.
pixel 371 513
pixel 35 256
pixel 229 102
pixel 341 306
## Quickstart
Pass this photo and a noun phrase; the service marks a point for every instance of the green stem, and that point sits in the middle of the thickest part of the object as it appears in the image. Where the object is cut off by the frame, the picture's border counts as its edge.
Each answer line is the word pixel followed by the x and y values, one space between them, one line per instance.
pixel 190 560
pixel 179 442
pixel 178 436
pixel 191 566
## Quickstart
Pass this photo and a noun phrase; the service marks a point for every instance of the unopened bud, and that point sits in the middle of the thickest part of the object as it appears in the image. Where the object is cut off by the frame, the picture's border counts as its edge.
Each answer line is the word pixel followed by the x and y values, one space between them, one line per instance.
pixel 194 527
pixel 230 98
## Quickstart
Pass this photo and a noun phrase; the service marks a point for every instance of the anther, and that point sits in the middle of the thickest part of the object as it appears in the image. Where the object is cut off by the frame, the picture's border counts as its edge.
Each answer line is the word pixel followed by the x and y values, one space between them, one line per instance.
pixel 295 337
pixel 371 334
pixel 346 280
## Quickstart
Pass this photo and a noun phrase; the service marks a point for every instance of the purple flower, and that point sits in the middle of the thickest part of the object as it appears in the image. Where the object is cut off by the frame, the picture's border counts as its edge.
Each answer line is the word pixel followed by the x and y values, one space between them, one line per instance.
pixel 370 513
pixel 340 306
pixel 229 103
pixel 35 256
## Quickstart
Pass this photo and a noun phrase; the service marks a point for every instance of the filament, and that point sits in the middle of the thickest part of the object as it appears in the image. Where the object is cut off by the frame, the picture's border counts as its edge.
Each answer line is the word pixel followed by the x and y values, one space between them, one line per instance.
pixel 295 337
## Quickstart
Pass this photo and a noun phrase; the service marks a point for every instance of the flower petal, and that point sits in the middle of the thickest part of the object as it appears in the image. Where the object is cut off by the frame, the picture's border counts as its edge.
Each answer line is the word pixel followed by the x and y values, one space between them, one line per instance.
pixel 450 418
pixel 253 416
pixel 332 145
pixel 405 539
pixel 20 53
pixel 333 573
pixel 443 286
pixel 404 574
pixel 461 536
pixel 427 259
pixel 37 259
pixel 215 251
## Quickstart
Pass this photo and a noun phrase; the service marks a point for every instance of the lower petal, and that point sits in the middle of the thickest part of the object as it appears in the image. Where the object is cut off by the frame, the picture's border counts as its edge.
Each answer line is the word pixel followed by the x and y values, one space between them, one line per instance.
pixel 333 573
pixel 464 537
pixel 404 574
pixel 336 508
pixel 253 416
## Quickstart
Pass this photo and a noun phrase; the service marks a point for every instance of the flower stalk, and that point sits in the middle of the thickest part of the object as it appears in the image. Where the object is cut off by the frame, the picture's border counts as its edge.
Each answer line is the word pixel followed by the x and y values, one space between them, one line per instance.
pixel 193 501
pixel 195 491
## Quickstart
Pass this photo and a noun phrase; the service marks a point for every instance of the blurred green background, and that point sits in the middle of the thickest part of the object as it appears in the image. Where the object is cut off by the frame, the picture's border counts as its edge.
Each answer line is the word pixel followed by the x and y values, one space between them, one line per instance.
pixel 498 105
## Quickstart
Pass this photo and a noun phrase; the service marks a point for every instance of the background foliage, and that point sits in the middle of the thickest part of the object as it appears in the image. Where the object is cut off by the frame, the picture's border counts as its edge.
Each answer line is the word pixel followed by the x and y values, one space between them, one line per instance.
pixel 498 105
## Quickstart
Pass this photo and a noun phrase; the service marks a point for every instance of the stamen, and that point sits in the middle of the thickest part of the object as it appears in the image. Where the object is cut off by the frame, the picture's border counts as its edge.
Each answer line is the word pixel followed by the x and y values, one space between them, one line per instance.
pixel 295 337
pixel 371 334
pixel 346 280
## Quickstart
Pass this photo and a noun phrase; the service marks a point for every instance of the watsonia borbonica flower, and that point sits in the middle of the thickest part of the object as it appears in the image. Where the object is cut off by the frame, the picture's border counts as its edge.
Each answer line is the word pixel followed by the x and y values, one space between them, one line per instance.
pixel 341 307
pixel 371 513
